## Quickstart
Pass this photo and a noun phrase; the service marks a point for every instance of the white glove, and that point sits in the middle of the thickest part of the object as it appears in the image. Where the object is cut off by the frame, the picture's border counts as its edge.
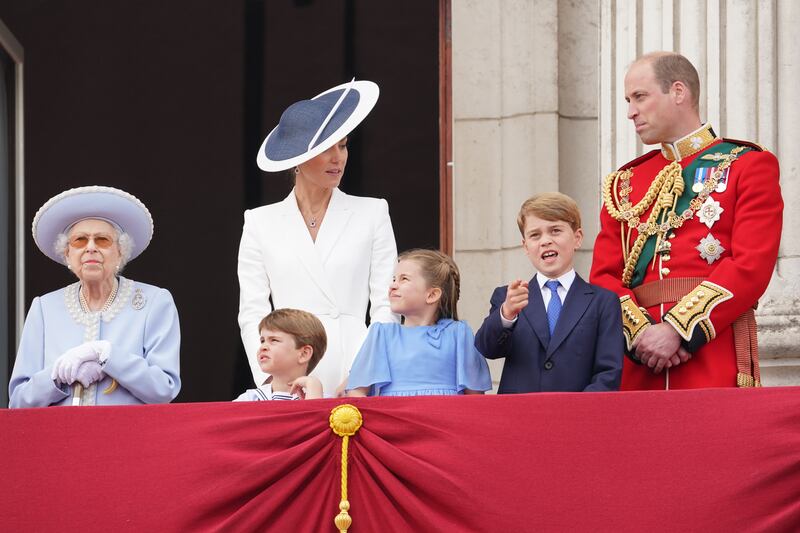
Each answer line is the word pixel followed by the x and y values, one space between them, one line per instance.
pixel 103 349
pixel 66 366
pixel 89 372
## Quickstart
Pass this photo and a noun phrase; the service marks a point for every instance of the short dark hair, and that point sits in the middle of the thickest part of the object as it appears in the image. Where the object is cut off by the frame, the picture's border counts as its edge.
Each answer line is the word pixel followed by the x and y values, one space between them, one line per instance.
pixel 305 328
pixel 669 67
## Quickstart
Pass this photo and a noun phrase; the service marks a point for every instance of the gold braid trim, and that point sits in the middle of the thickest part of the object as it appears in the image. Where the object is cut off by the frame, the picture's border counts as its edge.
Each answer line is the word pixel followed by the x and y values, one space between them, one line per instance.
pixel 671 187
pixel 625 210
pixel 694 310
pixel 345 421
pixel 665 190
pixel 634 321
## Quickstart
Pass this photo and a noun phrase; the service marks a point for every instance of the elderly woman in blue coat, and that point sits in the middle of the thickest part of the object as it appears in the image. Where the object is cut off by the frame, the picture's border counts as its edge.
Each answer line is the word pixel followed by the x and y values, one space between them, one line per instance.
pixel 105 339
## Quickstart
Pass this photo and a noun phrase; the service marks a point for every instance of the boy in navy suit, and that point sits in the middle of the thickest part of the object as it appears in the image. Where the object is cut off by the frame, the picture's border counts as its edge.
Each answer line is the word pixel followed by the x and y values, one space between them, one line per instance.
pixel 557 332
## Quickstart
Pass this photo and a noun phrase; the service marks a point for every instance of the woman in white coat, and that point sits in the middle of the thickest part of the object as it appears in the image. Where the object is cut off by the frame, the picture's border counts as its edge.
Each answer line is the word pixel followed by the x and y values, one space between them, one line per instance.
pixel 319 250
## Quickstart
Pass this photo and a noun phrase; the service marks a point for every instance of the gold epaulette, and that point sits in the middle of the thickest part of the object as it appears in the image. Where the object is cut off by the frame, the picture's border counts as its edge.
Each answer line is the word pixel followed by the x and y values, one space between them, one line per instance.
pixel 694 311
pixel 634 321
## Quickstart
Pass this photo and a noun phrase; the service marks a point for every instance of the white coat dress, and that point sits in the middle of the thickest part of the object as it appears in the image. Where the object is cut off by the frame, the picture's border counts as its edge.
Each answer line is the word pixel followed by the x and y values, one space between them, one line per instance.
pixel 350 264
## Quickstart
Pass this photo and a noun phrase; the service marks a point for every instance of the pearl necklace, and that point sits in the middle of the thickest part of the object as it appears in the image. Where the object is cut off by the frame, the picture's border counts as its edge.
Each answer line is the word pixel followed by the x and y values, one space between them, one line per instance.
pixel 106 305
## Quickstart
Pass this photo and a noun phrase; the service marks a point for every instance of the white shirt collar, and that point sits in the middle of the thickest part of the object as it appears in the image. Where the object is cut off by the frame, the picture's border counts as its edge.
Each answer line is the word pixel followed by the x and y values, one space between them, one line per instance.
pixel 565 279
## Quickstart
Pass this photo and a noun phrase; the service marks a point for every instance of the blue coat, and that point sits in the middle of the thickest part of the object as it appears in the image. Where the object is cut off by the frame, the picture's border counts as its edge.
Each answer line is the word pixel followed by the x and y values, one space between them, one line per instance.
pixel 585 353
pixel 142 327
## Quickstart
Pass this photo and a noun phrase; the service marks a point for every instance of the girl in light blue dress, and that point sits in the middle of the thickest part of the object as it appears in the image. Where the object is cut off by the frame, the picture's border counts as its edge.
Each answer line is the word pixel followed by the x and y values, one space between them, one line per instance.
pixel 432 352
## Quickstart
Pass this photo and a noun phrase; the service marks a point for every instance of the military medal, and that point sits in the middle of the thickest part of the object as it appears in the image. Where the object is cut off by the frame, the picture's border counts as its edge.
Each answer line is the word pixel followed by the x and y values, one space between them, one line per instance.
pixel 701 175
pixel 710 248
pixel 710 212
pixel 722 183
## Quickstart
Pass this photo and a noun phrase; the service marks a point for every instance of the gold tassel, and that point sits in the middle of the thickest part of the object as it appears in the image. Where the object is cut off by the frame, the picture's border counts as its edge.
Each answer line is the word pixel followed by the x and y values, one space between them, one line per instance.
pixel 345 421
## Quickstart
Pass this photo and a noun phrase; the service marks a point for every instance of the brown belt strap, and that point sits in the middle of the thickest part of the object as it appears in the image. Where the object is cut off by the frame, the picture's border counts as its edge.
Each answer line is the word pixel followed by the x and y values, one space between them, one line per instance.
pixel 745 335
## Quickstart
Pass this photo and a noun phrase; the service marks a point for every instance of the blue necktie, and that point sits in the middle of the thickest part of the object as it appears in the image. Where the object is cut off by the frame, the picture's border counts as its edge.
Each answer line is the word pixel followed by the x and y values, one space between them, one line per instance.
pixel 554 306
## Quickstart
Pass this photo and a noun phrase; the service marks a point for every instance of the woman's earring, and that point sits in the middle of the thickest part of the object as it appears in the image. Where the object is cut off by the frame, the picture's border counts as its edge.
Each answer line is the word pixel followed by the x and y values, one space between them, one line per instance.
pixel 296 170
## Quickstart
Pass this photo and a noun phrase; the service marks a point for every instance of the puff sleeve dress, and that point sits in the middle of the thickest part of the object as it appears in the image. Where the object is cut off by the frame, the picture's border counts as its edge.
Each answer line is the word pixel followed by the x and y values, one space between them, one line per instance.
pixel 441 359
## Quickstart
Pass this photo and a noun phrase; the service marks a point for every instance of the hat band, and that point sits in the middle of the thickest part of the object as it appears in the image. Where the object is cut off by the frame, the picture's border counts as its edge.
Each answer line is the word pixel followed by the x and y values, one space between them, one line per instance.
pixel 330 114
pixel 114 225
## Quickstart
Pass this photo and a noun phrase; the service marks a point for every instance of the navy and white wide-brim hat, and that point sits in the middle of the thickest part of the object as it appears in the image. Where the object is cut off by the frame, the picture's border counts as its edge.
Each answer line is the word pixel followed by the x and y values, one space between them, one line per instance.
pixel 118 207
pixel 309 127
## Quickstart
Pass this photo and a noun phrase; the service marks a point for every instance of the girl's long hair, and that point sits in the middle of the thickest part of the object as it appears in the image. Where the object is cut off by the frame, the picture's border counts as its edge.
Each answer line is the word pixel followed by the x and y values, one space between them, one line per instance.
pixel 440 271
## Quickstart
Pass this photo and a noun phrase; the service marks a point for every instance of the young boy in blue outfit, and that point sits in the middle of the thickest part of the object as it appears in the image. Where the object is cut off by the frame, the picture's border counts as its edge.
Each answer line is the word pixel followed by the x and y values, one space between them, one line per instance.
pixel 556 331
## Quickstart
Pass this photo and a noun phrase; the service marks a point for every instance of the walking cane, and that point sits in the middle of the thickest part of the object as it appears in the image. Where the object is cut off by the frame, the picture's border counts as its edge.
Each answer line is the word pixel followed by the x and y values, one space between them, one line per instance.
pixel 77 392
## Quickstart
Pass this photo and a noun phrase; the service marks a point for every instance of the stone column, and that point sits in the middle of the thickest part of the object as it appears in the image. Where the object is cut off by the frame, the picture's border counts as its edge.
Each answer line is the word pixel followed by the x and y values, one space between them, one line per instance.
pixel 778 318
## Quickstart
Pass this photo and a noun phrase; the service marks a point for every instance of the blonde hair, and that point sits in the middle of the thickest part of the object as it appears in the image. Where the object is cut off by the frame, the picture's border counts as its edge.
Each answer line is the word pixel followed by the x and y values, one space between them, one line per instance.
pixel 306 329
pixel 441 272
pixel 669 67
pixel 552 206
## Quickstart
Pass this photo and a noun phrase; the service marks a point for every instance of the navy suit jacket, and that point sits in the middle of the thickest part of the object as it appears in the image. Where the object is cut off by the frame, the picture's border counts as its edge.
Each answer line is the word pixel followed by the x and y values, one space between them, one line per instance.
pixel 584 354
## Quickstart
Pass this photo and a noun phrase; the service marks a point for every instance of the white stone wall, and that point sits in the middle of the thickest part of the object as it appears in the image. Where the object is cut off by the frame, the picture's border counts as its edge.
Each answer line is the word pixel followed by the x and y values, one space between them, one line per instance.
pixel 538 105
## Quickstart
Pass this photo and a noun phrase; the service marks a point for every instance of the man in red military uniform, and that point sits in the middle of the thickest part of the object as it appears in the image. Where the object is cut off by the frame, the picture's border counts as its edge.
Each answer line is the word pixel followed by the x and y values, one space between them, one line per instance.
pixel 689 238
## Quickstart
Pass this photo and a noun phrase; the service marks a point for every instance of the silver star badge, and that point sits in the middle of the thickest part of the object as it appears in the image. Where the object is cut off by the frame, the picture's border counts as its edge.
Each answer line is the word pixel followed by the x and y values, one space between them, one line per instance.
pixel 710 248
pixel 710 212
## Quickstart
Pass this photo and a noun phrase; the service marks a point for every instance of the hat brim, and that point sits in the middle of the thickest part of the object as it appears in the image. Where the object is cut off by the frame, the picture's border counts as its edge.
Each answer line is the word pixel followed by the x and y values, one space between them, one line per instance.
pixel 92 202
pixel 368 96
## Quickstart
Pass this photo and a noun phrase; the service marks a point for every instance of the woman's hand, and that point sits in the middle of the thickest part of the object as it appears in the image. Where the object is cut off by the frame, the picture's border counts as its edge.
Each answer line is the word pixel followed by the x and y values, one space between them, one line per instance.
pixel 89 372
pixel 65 368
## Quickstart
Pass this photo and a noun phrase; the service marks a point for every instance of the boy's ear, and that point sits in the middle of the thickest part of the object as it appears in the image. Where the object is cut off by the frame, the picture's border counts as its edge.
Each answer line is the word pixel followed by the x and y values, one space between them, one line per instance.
pixel 305 354
pixel 434 295
pixel 578 237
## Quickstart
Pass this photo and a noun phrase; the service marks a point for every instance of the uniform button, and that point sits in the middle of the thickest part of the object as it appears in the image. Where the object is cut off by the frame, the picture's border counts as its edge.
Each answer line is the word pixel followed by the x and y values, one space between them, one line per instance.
pixel 334 313
pixel 548 365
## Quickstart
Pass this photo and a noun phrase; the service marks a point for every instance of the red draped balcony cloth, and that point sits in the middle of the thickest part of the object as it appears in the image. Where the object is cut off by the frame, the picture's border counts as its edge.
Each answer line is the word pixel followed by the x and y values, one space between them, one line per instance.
pixel 704 460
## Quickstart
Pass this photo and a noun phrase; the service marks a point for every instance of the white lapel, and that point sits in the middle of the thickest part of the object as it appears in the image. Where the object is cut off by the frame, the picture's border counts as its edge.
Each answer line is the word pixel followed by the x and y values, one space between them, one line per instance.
pixel 333 225
pixel 299 240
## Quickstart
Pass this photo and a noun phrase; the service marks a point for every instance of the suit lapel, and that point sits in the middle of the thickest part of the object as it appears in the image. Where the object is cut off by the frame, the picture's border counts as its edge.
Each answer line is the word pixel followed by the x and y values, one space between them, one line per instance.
pixel 299 241
pixel 575 304
pixel 333 225
pixel 535 314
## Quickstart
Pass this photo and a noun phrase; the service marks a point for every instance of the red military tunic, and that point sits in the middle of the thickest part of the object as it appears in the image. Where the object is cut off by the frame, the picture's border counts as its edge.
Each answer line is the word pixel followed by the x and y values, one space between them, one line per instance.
pixel 739 254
